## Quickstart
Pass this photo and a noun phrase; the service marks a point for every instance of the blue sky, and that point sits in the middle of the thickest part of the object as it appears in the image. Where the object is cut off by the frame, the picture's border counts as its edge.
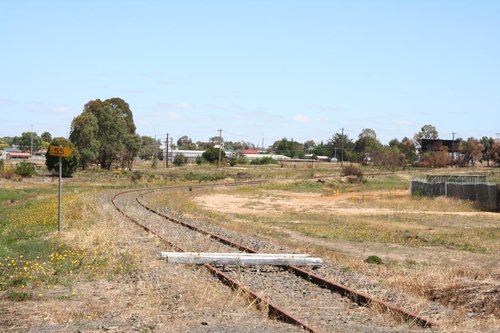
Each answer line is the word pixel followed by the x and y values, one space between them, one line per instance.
pixel 255 69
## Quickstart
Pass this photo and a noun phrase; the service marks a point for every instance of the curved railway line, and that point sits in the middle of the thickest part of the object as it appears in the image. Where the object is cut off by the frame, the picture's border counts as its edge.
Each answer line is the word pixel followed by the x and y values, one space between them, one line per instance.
pixel 312 302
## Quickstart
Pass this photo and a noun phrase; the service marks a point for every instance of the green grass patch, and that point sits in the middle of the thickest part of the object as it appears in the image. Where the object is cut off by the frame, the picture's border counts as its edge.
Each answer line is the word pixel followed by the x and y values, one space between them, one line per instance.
pixel 18 296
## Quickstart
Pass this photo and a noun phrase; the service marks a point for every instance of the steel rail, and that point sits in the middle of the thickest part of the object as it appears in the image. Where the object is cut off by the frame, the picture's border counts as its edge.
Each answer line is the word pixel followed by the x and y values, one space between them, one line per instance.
pixel 355 296
pixel 273 310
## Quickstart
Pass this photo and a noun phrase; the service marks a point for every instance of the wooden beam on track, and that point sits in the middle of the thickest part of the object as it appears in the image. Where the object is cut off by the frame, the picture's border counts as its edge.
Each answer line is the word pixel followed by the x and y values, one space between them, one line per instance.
pixel 241 259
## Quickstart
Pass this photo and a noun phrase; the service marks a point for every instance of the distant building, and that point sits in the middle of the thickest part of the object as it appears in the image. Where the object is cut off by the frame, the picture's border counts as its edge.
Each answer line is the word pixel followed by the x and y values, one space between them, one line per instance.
pixel 318 158
pixel 18 156
pixel 273 156
pixel 451 146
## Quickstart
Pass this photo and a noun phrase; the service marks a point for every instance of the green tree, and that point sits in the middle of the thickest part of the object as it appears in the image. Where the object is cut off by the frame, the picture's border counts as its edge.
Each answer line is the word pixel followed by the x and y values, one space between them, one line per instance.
pixel 185 143
pixel 309 146
pixel 69 164
pixel 336 143
pixel 211 154
pixel 46 136
pixel 405 147
pixel 487 143
pixel 150 148
pixel 26 139
pixel 322 149
pixel 116 132
pixel 4 144
pixel 426 132
pixel 132 144
pixel 112 133
pixel 289 148
pixel 471 150
pixel 367 144
pixel 84 135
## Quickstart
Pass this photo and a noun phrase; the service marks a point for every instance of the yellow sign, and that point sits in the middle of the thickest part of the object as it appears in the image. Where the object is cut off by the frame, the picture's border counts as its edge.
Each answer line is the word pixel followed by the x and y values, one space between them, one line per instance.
pixel 60 151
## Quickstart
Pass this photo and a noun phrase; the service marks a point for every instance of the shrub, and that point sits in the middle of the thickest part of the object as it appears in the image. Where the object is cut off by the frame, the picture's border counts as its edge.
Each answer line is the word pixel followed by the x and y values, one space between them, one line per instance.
pixel 352 170
pixel 180 160
pixel 8 173
pixel 373 260
pixel 204 177
pixel 25 169
pixel 264 160
pixel 212 155
pixel 136 175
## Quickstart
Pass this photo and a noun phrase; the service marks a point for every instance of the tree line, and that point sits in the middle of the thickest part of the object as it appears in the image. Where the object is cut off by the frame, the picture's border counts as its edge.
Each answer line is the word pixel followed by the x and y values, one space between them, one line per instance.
pixel 104 134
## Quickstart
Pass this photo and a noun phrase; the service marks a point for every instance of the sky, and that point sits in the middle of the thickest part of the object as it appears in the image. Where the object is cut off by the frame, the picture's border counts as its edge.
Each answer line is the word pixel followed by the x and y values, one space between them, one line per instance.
pixel 259 70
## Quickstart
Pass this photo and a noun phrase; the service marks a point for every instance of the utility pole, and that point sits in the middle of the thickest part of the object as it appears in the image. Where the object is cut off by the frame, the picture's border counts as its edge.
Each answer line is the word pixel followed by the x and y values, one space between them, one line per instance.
pixel 342 148
pixel 166 152
pixel 31 149
pixel 262 143
pixel 220 148
pixel 453 148
pixel 172 150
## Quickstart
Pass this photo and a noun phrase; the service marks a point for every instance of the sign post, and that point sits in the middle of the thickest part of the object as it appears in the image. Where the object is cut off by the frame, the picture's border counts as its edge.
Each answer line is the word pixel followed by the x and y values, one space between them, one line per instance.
pixel 61 152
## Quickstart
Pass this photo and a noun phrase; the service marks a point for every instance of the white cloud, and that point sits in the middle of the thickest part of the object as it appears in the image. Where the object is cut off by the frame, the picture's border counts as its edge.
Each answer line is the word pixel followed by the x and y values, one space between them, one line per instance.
pixel 301 119
pixel 175 106
pixel 61 110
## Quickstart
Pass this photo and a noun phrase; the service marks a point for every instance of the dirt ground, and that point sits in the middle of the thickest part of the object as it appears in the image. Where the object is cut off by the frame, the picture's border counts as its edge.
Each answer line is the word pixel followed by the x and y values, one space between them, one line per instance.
pixel 345 204
pixel 472 295
pixel 152 297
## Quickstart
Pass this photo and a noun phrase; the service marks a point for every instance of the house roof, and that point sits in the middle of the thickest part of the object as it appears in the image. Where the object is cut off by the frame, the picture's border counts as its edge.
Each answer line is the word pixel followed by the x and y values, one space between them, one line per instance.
pixel 249 151
pixel 19 154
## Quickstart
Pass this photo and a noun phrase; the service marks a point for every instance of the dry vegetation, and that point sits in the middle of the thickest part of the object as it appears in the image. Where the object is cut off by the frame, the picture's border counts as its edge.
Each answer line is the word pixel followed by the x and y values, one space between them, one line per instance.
pixel 101 273
pixel 441 249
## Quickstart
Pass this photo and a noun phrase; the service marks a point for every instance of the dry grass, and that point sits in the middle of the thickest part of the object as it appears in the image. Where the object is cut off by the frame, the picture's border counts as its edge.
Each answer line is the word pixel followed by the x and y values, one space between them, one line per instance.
pixel 434 243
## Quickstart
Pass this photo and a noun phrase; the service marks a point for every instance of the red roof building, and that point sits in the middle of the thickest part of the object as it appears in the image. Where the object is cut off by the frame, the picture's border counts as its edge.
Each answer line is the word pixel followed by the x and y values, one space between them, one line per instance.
pixel 249 151
pixel 19 155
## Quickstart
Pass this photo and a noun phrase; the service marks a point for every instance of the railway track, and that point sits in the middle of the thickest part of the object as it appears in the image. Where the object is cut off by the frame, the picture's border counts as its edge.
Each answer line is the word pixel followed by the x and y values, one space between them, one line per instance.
pixel 311 301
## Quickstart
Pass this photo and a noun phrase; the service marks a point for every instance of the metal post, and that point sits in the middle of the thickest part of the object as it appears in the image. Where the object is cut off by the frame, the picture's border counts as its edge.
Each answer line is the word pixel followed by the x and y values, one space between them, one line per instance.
pixel 453 149
pixel 60 194
pixel 166 152
pixel 220 148
pixel 342 149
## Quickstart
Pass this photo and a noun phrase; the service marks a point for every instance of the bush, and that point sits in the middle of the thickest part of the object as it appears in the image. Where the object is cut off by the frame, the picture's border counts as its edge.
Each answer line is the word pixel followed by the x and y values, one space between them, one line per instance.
pixel 180 160
pixel 136 175
pixel 212 155
pixel 204 177
pixel 264 160
pixel 8 173
pixel 199 160
pixel 352 170
pixel 25 169
pixel 373 260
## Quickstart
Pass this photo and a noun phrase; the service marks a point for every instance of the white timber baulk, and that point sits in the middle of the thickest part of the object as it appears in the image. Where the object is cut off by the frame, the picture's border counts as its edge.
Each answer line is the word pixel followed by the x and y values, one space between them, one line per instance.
pixel 241 259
